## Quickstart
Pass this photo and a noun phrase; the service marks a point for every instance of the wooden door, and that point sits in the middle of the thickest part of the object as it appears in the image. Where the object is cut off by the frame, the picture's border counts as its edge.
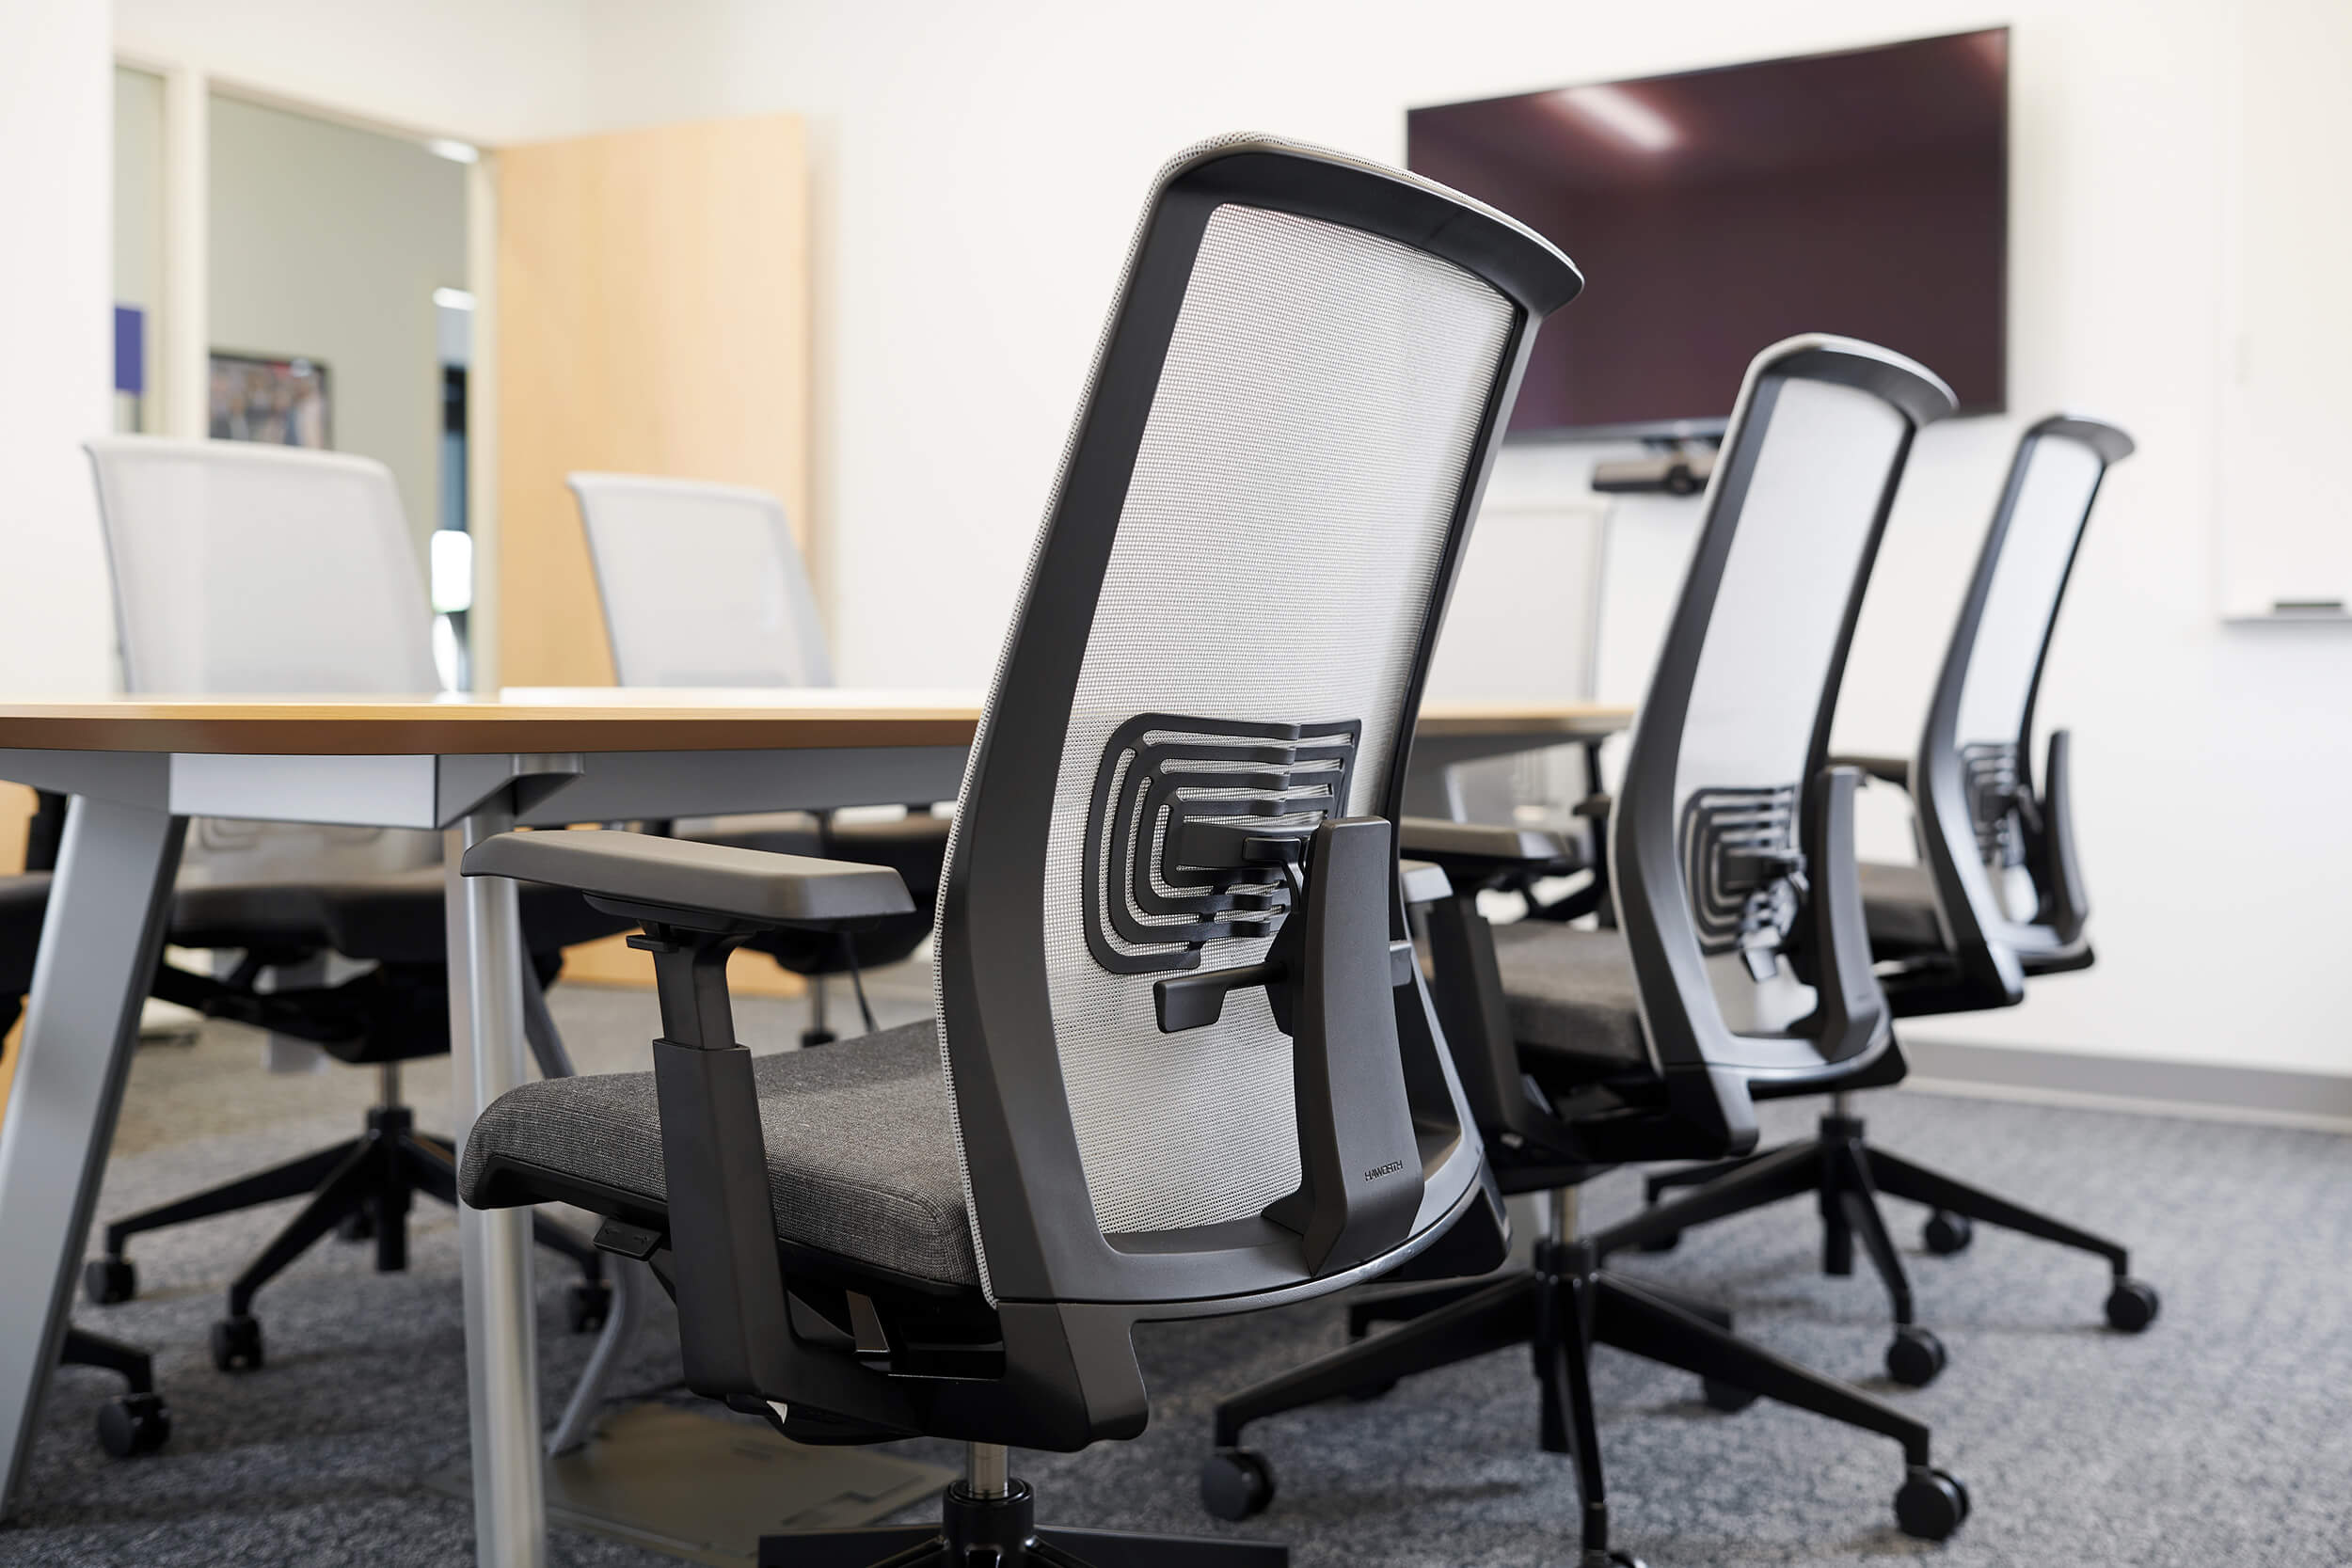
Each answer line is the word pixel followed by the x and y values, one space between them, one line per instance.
pixel 651 316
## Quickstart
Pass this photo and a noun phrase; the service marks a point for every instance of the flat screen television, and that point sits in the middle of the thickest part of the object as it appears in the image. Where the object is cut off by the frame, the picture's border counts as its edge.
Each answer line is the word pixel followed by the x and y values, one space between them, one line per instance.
pixel 1716 212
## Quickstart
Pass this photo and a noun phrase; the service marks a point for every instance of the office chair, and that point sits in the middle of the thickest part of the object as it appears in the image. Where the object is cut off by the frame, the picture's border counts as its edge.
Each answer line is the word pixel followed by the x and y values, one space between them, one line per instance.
pixel 243 568
pixel 1183 1065
pixel 704 586
pixel 1998 897
pixel 1739 969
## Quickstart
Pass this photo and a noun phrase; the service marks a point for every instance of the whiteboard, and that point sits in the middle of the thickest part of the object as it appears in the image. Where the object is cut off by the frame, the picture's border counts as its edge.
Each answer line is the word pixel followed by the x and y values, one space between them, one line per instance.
pixel 2284 500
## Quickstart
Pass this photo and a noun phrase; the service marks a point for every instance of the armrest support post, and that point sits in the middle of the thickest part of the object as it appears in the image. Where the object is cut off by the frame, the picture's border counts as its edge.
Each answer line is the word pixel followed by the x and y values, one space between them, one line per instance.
pixel 1361 1184
pixel 733 1324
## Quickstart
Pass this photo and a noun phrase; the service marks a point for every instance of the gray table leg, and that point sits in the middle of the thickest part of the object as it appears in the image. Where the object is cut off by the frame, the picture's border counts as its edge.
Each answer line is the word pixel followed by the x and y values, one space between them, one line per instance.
pixel 488 1058
pixel 99 946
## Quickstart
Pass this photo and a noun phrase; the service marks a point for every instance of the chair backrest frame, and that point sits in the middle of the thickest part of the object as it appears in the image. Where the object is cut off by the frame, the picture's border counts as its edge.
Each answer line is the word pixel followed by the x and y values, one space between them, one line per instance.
pixel 1985 941
pixel 1706 1066
pixel 372 553
pixel 1035 1227
pixel 751 654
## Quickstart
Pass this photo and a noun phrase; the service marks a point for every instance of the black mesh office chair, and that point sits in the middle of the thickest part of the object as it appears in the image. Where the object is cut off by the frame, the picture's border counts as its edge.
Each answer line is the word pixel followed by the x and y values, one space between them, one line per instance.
pixel 703 585
pixel 1998 897
pixel 1740 970
pixel 1184 1064
pixel 242 568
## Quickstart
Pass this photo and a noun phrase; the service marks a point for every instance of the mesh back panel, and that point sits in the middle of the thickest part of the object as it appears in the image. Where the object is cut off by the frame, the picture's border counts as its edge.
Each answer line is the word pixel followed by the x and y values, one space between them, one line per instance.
pixel 1815 492
pixel 1762 671
pixel 701 584
pixel 2051 504
pixel 249 569
pixel 1274 561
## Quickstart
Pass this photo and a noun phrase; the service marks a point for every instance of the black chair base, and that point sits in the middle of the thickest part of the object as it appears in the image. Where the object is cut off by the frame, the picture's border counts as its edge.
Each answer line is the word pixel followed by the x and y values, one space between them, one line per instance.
pixel 1847 1175
pixel 133 1423
pixel 1001 1532
pixel 363 1189
pixel 1562 1309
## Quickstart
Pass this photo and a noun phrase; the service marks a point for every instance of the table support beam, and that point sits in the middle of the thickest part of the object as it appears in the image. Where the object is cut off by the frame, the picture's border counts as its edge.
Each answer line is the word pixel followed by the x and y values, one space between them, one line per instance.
pixel 98 947
pixel 488 1058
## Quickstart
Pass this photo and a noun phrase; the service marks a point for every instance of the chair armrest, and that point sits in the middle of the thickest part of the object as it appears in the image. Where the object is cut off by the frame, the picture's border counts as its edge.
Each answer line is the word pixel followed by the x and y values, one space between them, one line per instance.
pixel 1424 883
pixel 1483 846
pixel 1894 770
pixel 692 881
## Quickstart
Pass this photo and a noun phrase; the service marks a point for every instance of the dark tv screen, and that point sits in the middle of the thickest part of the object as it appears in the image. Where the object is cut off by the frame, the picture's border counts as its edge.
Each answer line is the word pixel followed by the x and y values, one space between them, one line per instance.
pixel 1716 212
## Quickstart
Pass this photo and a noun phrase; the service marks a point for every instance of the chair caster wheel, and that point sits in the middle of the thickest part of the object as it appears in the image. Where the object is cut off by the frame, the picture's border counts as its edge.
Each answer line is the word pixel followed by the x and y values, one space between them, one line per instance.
pixel 1236 1483
pixel 237 1343
pixel 1729 1397
pixel 1610 1559
pixel 589 1303
pixel 1947 1232
pixel 817 1037
pixel 133 1424
pixel 1916 1357
pixel 357 1226
pixel 1667 1243
pixel 1932 1505
pixel 2132 1305
pixel 108 1281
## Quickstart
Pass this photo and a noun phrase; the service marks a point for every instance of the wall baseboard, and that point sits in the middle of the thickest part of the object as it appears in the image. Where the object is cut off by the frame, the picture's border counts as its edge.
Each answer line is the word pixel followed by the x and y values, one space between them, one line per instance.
pixel 2269 1095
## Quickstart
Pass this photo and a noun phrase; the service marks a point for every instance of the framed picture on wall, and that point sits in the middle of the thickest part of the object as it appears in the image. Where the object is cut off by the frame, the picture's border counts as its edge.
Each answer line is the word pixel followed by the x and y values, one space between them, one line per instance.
pixel 285 402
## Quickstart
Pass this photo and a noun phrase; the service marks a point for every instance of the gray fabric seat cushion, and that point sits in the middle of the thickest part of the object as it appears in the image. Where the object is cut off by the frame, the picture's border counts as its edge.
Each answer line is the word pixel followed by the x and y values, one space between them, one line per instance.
pixel 861 1149
pixel 1572 995
pixel 1898 908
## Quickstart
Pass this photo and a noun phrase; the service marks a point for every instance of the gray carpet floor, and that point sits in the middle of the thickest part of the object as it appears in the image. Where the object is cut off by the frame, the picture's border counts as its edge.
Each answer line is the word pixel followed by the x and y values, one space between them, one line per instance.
pixel 2220 1437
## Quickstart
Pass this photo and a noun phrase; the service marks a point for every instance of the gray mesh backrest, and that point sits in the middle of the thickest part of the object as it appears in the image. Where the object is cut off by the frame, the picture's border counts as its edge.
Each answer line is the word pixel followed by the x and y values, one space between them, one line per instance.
pixel 701 584
pixel 1807 515
pixel 1311 433
pixel 2053 503
pixel 253 569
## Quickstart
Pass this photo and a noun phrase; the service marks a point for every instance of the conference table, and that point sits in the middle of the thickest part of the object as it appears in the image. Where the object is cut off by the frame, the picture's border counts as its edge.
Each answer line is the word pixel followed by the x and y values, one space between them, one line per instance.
pixel 469 766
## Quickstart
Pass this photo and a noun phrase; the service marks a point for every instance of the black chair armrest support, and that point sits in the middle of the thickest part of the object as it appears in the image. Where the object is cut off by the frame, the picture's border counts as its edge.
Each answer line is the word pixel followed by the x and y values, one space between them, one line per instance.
pixel 734 1316
pixel 1894 770
pixel 1838 960
pixel 2065 904
pixel 692 885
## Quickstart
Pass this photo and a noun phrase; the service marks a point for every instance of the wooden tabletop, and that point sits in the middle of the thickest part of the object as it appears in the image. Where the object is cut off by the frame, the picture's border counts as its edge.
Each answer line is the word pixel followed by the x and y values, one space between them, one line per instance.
pixel 602 718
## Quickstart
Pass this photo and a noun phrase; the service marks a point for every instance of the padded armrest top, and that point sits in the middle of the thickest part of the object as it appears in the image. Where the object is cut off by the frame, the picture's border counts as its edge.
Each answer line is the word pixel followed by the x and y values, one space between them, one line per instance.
pixel 1433 838
pixel 1424 884
pixel 682 874
pixel 1894 770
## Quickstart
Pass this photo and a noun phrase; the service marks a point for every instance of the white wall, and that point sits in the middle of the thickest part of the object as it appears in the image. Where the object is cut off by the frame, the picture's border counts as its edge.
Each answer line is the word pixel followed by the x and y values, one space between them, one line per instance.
pixel 507 71
pixel 57 329
pixel 978 172
pixel 139 228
